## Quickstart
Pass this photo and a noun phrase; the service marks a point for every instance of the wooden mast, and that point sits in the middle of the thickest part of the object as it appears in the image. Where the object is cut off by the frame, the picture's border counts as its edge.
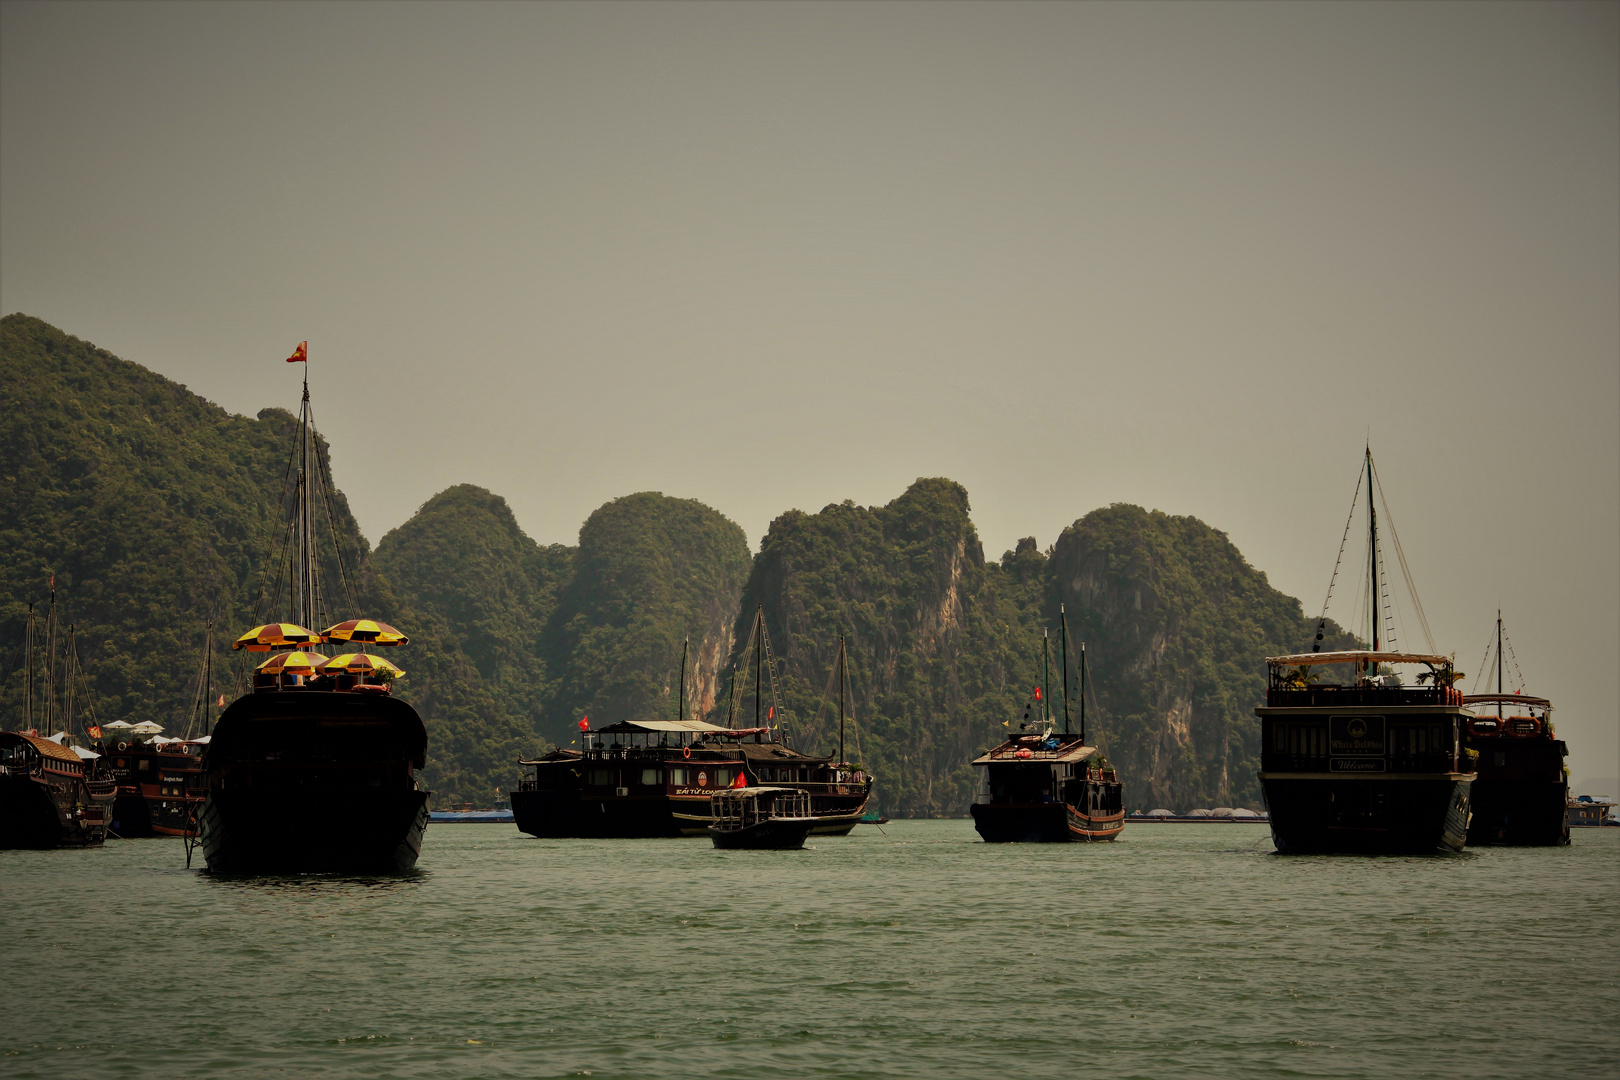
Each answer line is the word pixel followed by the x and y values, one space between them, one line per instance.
pixel 1082 693
pixel 1063 631
pixel 841 699
pixel 680 707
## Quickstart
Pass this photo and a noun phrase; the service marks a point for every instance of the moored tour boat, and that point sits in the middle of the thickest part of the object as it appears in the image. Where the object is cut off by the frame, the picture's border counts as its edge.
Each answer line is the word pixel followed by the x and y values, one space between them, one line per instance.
pixel 1043 786
pixel 50 796
pixel 1367 764
pixel 1521 789
pixel 313 769
pixel 646 778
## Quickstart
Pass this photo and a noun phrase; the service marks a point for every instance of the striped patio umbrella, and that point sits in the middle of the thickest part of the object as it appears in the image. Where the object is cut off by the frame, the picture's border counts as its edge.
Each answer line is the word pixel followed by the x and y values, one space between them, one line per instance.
pixel 276 635
pixel 369 631
pixel 297 662
pixel 359 663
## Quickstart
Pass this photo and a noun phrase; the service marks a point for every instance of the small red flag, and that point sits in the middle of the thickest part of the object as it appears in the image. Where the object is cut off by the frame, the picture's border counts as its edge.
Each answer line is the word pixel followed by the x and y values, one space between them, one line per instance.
pixel 1037 693
pixel 221 704
pixel 95 732
pixel 770 714
pixel 584 723
pixel 741 781
pixel 300 355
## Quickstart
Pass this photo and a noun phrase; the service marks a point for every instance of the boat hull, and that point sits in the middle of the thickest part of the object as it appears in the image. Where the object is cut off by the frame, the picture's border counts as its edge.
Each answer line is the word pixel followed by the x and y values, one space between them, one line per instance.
pixel 1366 815
pixel 1516 814
pixel 1094 828
pixel 1021 823
pixel 41 816
pixel 774 834
pixel 352 832
pixel 562 813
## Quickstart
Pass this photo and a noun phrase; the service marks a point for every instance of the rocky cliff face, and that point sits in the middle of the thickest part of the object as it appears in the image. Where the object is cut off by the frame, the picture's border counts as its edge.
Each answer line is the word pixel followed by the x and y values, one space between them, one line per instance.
pixel 928 635
pixel 650 572
pixel 1178 625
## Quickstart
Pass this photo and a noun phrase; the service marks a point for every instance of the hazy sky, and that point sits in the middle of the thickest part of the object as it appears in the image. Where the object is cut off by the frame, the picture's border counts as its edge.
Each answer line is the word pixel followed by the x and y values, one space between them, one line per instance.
pixel 777 255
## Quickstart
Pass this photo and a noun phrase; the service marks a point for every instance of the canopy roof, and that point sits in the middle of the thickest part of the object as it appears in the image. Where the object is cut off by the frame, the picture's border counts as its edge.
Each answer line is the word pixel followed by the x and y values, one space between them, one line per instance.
pixel 1007 752
pixel 1358 656
pixel 1507 699
pixel 641 726
pixel 47 748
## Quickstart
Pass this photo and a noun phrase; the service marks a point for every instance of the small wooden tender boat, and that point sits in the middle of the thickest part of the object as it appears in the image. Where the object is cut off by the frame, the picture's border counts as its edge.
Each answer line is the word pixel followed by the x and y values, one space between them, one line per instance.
pixel 775 818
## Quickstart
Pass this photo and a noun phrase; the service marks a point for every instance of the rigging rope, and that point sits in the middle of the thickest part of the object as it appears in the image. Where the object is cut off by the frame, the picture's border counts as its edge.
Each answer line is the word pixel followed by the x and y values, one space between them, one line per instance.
pixel 1483 663
pixel 1321 626
pixel 1406 572
pixel 1517 674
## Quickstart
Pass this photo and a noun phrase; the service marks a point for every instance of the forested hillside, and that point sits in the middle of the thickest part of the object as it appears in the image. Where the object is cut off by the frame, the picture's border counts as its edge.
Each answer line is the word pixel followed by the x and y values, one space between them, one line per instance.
pixel 152 507
pixel 155 509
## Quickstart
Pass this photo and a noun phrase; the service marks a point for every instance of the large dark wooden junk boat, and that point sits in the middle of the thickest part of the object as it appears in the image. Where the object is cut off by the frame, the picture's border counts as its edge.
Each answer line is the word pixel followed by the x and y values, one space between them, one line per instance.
pixel 1521 793
pixel 52 793
pixel 1043 786
pixel 645 778
pixel 312 770
pixel 1354 758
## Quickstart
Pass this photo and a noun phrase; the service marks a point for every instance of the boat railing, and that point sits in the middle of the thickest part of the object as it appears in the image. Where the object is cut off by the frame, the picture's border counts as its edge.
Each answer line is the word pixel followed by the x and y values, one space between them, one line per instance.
pixel 1351 696
pixel 101 787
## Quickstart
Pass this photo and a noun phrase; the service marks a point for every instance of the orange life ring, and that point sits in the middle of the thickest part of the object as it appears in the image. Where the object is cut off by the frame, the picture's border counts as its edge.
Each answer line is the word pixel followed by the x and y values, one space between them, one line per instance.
pixel 686 751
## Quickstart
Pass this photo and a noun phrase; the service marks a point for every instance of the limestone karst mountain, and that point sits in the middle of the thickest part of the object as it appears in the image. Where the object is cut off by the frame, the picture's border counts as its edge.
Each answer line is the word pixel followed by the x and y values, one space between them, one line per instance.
pixel 154 507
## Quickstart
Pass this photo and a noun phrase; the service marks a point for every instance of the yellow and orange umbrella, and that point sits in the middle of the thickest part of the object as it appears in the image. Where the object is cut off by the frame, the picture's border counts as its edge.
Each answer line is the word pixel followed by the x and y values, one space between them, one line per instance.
pixel 359 663
pixel 368 631
pixel 297 662
pixel 276 635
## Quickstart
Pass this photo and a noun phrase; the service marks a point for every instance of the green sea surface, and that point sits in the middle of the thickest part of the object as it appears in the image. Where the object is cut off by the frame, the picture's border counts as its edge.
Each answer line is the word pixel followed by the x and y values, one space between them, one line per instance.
pixel 1180 950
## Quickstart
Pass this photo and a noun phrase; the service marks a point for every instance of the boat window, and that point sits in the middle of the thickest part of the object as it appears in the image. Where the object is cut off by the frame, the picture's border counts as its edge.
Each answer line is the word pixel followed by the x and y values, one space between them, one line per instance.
pixel 649 777
pixel 677 776
pixel 722 777
pixel 144 763
pixel 601 777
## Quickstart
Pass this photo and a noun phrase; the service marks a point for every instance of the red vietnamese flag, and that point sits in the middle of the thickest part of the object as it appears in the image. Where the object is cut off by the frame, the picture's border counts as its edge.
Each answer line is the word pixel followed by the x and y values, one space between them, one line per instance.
pixel 584 723
pixel 741 781
pixel 770 714
pixel 1037 693
pixel 300 355
pixel 221 703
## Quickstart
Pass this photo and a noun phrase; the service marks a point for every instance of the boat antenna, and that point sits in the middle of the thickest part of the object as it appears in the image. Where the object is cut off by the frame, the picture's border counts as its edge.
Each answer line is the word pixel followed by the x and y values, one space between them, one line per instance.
pixel 1082 693
pixel 680 707
pixel 841 678
pixel 1063 632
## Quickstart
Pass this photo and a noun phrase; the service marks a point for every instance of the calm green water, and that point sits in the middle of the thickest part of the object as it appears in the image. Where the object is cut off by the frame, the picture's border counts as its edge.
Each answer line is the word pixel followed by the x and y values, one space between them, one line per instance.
pixel 1180 950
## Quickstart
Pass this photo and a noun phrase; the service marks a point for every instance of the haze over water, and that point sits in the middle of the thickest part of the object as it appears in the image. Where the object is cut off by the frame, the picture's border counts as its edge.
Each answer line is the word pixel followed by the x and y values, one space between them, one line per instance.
pixel 1181 950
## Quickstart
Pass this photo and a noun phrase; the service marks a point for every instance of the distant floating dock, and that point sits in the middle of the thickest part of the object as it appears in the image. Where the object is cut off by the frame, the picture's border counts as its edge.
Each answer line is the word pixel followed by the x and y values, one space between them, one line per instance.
pixel 469 817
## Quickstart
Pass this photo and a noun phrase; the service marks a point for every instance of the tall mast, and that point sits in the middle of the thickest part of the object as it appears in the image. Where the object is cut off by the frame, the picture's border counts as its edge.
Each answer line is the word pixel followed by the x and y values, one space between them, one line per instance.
pixel 28 671
pixel 1372 560
pixel 1063 630
pixel 1082 693
pixel 208 680
pixel 1498 660
pixel 841 699
pixel 50 661
pixel 1046 676
pixel 759 656
pixel 304 610
pixel 680 708
pixel 70 674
